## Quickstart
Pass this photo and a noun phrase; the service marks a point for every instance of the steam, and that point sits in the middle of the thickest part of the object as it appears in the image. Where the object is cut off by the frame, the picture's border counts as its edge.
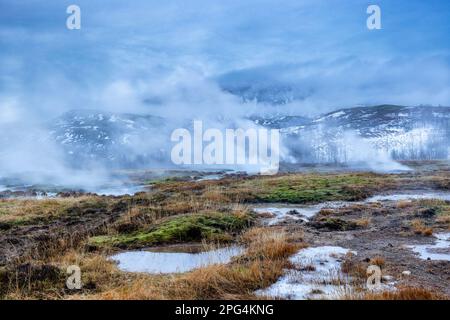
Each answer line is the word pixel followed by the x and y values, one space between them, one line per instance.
pixel 184 62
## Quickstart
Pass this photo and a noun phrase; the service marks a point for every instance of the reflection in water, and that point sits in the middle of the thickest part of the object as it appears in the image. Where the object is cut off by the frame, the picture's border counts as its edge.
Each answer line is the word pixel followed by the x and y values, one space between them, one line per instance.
pixel 411 196
pixel 440 250
pixel 173 262
pixel 299 212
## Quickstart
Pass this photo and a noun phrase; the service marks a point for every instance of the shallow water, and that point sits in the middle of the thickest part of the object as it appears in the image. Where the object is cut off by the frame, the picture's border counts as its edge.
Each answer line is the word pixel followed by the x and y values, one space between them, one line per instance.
pixel 312 278
pixel 173 262
pixel 111 190
pixel 298 212
pixel 211 177
pixel 440 250
pixel 282 212
pixel 410 196
pixel 120 190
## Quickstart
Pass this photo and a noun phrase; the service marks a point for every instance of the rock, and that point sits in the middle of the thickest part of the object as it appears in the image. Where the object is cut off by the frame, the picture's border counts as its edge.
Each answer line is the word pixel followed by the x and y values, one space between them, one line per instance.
pixel 387 278
pixel 427 213
pixel 334 224
pixel 5 226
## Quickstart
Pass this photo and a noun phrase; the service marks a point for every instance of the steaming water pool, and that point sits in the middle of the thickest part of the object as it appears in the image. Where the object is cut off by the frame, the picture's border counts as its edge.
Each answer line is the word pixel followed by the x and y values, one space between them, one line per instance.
pixel 173 262
pixel 440 250
pixel 120 190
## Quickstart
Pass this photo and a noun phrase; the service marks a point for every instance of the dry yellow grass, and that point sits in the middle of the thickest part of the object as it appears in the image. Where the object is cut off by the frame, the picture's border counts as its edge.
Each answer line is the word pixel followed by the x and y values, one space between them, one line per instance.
pixel 326 212
pixel 22 210
pixel 445 220
pixel 406 293
pixel 378 261
pixel 215 195
pixel 404 204
pixel 262 264
pixel 363 222
pixel 353 267
pixel 419 227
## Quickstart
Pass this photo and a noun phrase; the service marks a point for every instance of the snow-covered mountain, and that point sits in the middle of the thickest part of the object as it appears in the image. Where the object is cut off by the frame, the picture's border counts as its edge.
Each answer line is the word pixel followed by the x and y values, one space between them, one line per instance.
pixel 273 95
pixel 88 136
pixel 401 132
pixel 280 121
pixel 353 134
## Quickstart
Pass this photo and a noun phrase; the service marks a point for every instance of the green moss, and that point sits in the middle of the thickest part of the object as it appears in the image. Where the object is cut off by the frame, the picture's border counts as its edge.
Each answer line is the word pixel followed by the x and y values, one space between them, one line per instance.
pixel 184 228
pixel 165 181
pixel 440 207
pixel 317 188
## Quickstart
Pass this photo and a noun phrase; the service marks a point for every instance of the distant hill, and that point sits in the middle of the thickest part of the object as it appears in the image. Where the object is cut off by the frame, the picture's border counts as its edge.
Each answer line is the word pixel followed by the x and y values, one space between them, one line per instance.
pixel 128 140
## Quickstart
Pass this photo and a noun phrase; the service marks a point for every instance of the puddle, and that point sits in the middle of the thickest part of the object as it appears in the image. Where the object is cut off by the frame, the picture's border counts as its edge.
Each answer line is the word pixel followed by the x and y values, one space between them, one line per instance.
pixel 410 196
pixel 281 213
pixel 31 192
pixel 210 177
pixel 24 192
pixel 317 275
pixel 440 250
pixel 173 262
pixel 120 190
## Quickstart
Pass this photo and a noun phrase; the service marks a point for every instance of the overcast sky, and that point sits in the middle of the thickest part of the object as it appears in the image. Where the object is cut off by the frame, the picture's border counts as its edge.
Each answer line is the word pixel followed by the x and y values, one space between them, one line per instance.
pixel 130 51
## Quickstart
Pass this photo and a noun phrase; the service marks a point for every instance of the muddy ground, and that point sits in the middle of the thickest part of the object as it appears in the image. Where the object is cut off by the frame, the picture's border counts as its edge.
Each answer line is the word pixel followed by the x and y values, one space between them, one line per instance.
pixel 387 235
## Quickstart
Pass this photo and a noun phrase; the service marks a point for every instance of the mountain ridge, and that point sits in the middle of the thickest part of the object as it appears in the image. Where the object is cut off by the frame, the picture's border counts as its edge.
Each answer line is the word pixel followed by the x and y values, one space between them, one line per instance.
pixel 403 132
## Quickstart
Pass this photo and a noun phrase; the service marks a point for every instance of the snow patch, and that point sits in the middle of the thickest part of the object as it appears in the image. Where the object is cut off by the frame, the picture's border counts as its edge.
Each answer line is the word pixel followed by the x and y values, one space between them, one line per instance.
pixel 317 275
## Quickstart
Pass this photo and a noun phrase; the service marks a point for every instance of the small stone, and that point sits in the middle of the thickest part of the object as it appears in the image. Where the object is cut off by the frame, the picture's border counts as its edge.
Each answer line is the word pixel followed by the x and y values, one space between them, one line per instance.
pixel 387 278
pixel 406 273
